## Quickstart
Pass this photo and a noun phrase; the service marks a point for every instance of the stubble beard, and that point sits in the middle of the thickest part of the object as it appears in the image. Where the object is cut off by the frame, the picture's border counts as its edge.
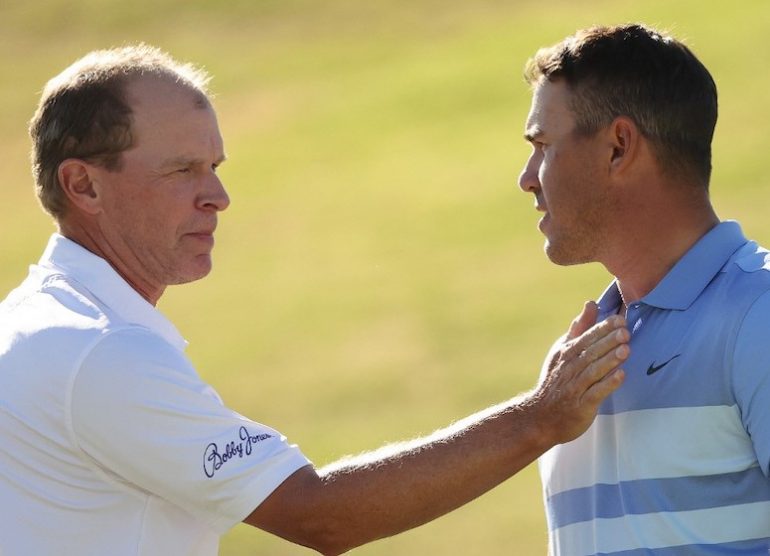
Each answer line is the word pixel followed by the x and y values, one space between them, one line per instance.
pixel 573 247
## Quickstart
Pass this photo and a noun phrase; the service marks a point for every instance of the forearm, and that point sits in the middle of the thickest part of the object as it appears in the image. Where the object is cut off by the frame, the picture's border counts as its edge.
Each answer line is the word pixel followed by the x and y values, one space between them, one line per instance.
pixel 401 486
pixel 405 485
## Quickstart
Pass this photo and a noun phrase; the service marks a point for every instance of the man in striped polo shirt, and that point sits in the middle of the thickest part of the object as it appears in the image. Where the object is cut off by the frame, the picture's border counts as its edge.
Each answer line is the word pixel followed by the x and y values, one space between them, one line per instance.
pixel 677 461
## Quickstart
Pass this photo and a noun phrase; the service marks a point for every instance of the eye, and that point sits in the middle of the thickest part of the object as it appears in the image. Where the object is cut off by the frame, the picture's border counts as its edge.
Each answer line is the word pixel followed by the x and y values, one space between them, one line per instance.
pixel 185 170
pixel 214 167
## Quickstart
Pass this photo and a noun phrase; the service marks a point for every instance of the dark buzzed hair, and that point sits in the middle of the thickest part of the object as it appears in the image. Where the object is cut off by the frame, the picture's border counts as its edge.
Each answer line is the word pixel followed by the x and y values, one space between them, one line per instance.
pixel 647 76
pixel 83 112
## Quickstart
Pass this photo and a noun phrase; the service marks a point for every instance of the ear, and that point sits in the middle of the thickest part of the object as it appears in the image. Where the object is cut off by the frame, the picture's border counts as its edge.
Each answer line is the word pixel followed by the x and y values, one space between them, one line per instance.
pixel 76 178
pixel 624 137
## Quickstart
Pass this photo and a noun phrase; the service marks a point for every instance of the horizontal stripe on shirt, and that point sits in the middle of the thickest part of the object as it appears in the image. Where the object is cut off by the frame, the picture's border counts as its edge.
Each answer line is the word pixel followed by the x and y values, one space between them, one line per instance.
pixel 754 547
pixel 664 530
pixel 658 495
pixel 651 444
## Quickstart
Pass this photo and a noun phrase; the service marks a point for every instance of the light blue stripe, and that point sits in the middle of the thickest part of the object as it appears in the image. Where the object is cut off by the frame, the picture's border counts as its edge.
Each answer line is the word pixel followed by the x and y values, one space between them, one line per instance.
pixel 755 547
pixel 657 495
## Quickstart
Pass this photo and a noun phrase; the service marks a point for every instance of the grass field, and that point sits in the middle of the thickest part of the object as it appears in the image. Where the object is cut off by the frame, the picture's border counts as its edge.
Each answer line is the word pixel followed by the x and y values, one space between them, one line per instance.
pixel 379 273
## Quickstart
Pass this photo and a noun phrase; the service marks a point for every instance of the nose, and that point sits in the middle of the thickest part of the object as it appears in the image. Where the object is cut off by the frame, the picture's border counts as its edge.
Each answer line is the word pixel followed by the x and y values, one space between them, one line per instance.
pixel 214 196
pixel 529 180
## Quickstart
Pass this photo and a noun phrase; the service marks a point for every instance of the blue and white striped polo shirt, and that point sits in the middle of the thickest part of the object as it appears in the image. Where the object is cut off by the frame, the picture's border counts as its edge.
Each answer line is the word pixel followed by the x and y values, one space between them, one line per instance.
pixel 677 459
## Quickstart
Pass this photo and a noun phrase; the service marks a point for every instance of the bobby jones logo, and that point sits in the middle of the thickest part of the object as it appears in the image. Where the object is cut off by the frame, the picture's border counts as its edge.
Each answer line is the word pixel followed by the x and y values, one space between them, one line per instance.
pixel 214 457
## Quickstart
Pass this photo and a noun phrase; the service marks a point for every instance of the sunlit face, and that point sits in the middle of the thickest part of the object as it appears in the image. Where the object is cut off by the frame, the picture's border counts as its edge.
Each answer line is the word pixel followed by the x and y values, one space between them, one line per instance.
pixel 566 176
pixel 159 211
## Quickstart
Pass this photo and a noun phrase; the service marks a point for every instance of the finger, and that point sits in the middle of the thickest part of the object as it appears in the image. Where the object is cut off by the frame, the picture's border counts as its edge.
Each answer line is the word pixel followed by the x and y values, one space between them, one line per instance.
pixel 596 333
pixel 605 344
pixel 584 320
pixel 596 394
pixel 580 370
pixel 601 366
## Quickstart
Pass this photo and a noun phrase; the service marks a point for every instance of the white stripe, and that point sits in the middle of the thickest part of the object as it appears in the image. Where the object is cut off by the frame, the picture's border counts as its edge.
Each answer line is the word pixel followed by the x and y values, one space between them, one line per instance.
pixel 651 444
pixel 712 526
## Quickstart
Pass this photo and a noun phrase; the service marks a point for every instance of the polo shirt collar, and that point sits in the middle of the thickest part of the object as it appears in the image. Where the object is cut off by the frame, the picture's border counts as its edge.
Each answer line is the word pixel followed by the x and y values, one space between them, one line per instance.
pixel 100 279
pixel 690 275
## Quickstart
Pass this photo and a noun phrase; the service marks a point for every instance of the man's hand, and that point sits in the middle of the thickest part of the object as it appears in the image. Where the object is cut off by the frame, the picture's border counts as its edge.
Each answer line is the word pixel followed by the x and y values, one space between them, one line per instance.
pixel 579 372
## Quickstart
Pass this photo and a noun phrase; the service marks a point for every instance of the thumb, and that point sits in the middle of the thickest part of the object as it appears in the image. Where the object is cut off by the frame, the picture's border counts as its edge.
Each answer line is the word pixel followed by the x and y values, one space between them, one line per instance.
pixel 585 320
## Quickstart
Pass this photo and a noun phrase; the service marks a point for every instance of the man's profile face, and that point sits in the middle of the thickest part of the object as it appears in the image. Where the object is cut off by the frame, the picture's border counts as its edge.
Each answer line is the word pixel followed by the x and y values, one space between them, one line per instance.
pixel 160 208
pixel 564 173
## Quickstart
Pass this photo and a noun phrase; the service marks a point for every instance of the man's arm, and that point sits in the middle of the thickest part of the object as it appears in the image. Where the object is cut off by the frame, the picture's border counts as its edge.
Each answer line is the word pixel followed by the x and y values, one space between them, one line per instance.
pixel 399 487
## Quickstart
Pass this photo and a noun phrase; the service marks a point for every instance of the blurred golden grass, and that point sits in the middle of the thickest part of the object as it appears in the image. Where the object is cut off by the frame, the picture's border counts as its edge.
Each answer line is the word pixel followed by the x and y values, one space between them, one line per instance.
pixel 378 273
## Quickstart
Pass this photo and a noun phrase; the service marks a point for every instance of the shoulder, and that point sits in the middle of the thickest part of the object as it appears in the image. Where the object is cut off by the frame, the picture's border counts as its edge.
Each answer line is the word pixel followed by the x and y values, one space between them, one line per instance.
pixel 46 327
pixel 750 259
pixel 130 357
pixel 52 301
pixel 744 279
pixel 134 372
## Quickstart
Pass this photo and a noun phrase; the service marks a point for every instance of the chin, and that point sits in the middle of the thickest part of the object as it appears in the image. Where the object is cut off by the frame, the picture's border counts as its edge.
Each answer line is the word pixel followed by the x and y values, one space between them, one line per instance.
pixel 562 255
pixel 194 272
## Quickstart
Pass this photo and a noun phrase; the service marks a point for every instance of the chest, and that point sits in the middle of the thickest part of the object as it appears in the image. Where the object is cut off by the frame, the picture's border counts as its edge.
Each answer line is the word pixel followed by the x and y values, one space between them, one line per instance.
pixel 678 359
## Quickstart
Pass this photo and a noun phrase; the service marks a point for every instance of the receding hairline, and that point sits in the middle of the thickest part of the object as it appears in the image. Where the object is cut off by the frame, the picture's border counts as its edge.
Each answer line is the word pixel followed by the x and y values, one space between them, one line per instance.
pixel 124 65
pixel 200 98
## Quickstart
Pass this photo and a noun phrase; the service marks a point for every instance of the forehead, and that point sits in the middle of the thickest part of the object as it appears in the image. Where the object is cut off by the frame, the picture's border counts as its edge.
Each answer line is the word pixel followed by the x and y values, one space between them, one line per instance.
pixel 550 112
pixel 155 94
pixel 169 116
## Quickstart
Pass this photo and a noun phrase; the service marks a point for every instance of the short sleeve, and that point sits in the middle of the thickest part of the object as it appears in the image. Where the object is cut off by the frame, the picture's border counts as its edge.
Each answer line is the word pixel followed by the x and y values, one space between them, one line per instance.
pixel 141 412
pixel 751 377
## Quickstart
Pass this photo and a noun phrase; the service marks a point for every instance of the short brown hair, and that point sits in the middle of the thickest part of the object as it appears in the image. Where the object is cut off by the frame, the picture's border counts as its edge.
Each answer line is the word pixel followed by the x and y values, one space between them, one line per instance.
pixel 83 112
pixel 638 72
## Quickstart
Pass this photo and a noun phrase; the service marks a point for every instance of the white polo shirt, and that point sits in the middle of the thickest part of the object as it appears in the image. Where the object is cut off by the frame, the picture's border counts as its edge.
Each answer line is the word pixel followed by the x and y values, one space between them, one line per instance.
pixel 110 443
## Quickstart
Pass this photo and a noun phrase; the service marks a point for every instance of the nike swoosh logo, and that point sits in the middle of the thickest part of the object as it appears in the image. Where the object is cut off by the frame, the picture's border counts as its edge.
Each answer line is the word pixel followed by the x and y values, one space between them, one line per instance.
pixel 652 369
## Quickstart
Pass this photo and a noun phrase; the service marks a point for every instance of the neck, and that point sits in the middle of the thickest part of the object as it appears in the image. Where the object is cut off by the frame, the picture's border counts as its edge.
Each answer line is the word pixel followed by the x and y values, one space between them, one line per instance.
pixel 650 247
pixel 96 244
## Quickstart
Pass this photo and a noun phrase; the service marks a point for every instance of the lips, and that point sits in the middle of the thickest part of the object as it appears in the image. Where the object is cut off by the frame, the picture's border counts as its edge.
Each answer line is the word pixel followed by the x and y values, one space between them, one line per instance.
pixel 206 230
pixel 543 222
pixel 204 237
pixel 540 207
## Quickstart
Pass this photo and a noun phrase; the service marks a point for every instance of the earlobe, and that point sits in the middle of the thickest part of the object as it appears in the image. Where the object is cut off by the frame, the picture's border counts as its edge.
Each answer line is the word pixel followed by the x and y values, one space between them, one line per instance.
pixel 77 181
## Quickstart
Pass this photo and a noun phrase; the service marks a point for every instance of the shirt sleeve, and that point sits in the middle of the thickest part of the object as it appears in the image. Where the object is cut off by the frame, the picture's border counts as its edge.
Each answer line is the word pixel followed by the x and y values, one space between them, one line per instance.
pixel 751 377
pixel 142 413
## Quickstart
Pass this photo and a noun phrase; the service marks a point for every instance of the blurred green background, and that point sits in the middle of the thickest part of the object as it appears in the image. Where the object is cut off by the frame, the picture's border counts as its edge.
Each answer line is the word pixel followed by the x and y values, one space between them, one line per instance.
pixel 379 274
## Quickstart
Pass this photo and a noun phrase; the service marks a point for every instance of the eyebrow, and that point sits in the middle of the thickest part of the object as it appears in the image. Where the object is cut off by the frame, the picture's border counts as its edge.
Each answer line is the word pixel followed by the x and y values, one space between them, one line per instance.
pixel 189 160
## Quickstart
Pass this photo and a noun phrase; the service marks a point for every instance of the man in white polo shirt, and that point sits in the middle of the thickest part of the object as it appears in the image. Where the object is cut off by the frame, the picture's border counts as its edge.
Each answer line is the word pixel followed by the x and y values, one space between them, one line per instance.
pixel 110 443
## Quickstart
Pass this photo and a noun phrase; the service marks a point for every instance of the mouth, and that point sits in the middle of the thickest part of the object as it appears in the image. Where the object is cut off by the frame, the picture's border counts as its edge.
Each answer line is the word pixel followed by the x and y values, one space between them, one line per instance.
pixel 540 207
pixel 543 222
pixel 205 237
